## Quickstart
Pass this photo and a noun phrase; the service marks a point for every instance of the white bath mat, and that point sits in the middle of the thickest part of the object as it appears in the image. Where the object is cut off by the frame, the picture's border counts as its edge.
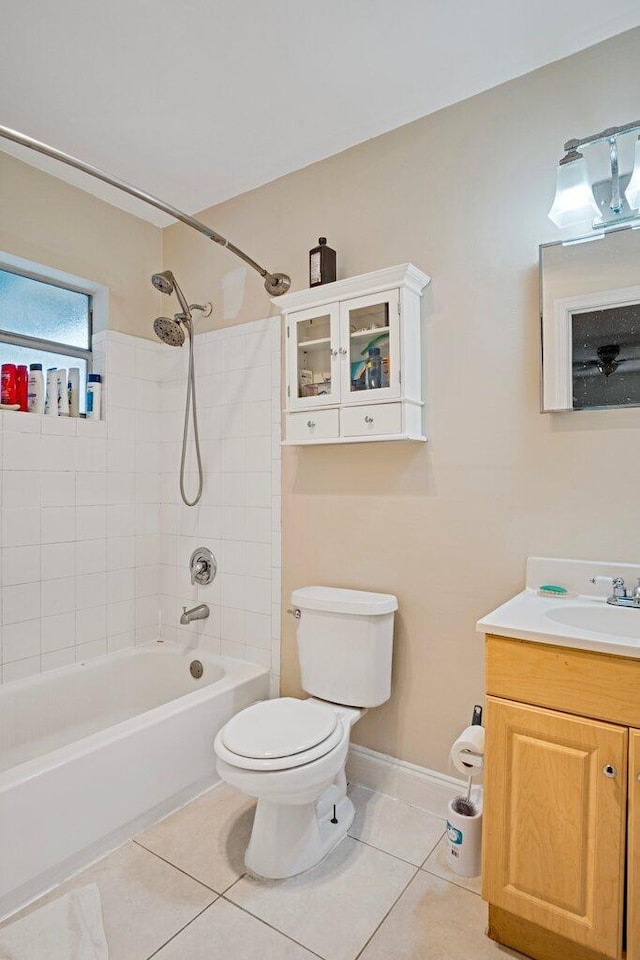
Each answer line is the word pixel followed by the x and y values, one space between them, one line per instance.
pixel 69 928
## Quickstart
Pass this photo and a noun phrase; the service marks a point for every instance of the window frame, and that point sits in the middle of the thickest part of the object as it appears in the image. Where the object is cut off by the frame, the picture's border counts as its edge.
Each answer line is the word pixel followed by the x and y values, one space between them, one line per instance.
pixel 97 293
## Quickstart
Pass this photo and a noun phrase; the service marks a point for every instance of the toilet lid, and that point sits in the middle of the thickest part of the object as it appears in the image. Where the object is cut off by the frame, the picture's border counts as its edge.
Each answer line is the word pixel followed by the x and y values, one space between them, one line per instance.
pixel 278 728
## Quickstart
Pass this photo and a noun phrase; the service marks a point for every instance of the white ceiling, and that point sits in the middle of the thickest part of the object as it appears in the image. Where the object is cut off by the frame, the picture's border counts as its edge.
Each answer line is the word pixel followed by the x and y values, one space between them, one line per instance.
pixel 199 100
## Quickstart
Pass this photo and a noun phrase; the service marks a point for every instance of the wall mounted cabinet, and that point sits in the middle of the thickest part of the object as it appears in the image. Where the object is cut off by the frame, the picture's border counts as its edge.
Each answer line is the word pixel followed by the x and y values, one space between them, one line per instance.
pixel 353 359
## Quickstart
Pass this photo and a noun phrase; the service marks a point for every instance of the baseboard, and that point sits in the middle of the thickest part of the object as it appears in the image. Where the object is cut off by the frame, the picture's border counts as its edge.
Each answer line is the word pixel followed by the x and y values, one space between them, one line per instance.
pixel 416 785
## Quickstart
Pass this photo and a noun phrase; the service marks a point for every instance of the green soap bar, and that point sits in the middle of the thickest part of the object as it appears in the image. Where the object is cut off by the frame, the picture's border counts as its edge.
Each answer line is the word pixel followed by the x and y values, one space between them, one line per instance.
pixel 552 588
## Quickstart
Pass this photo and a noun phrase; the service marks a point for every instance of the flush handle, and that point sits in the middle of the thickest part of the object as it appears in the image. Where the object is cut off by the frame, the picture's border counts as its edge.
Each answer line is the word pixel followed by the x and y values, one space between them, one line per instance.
pixel 610 771
pixel 295 612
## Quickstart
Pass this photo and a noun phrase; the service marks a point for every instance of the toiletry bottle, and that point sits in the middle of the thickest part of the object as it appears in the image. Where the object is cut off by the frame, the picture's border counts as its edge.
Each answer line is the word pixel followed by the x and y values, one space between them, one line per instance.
pixel 73 390
pixel 322 264
pixel 51 402
pixel 9 390
pixel 36 388
pixel 94 396
pixel 373 376
pixel 63 394
pixel 22 396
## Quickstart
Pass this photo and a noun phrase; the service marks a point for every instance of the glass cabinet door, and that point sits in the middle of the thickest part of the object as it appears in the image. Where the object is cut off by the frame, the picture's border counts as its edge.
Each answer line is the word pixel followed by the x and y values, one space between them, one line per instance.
pixel 370 347
pixel 312 341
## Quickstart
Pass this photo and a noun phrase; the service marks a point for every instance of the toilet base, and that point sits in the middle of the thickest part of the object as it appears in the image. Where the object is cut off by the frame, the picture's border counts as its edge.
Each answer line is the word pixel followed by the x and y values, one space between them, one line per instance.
pixel 289 839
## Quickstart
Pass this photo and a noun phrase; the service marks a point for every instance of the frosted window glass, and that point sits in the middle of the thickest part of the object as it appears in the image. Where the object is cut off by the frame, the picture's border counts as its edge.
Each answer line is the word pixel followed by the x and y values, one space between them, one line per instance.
pixel 24 355
pixel 34 308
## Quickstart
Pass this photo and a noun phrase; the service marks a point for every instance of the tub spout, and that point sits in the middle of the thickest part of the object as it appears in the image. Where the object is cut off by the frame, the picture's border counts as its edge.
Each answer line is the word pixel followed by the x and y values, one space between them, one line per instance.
pixel 201 612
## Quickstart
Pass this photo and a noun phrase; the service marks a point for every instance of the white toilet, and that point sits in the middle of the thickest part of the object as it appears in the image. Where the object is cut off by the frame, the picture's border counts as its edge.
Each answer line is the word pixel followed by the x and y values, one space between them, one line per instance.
pixel 290 753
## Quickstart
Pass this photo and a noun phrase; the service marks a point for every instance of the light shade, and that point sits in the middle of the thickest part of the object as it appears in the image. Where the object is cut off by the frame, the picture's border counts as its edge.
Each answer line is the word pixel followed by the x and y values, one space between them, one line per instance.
pixel 574 202
pixel 632 193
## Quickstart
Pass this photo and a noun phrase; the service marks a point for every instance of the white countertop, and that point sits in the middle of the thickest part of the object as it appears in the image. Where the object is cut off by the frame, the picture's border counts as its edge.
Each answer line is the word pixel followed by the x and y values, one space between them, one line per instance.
pixel 529 616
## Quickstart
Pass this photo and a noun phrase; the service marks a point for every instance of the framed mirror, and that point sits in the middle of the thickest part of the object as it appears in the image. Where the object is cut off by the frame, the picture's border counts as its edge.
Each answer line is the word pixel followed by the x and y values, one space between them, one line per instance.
pixel 590 319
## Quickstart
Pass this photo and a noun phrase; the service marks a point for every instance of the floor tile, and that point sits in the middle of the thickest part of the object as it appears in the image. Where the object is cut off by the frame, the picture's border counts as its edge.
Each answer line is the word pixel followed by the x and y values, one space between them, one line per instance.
pixel 224 931
pixel 435 920
pixel 144 900
pixel 393 826
pixel 437 863
pixel 334 908
pixel 207 838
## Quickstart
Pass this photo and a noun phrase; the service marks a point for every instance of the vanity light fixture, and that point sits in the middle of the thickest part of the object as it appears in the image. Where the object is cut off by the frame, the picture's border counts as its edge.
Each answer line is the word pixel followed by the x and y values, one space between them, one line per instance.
pixel 602 204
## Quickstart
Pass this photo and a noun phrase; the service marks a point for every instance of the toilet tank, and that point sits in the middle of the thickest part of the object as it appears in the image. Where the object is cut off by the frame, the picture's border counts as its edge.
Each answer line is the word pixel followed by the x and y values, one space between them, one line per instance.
pixel 345 644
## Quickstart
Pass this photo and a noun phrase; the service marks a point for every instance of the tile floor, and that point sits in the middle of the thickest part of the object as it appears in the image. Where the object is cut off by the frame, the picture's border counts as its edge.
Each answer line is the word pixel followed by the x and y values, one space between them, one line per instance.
pixel 179 891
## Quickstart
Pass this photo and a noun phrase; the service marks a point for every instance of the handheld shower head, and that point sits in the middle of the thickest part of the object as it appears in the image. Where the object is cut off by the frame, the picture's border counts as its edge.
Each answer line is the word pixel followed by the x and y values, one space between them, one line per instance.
pixel 165 282
pixel 169 331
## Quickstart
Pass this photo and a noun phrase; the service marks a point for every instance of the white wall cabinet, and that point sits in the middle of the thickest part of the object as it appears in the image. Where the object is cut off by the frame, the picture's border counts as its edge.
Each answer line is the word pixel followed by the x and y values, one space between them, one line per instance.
pixel 353 359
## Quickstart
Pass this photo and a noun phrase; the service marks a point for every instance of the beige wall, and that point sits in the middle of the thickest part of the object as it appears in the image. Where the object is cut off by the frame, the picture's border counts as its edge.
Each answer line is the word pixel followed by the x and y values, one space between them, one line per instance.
pixel 53 223
pixel 447 525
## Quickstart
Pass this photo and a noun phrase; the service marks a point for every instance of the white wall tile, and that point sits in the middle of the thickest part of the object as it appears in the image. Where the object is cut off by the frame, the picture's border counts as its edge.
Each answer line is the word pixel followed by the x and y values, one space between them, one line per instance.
pixel 58 489
pixel 20 602
pixel 20 640
pixel 58 596
pixel 20 525
pixel 20 565
pixel 58 524
pixel 20 488
pixel 57 559
pixel 58 631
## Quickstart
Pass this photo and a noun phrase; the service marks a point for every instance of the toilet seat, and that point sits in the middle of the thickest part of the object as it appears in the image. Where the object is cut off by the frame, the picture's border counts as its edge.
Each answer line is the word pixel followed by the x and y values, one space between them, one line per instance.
pixel 279 734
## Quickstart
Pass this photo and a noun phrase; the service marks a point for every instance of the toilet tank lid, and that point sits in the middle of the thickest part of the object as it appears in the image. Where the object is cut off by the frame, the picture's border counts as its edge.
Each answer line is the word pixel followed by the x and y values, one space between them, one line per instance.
pixel 338 600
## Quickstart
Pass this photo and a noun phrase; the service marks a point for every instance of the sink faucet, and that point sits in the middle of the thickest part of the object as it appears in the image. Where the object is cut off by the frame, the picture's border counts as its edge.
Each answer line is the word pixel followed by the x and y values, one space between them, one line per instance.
pixel 619 596
pixel 201 612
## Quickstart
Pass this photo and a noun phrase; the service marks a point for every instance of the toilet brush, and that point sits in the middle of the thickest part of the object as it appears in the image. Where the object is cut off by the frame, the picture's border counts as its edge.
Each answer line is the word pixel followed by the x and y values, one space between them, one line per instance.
pixel 465 805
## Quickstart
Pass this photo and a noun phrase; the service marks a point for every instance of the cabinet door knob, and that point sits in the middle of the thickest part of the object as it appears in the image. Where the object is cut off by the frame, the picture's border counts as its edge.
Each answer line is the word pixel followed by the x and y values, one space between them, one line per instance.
pixel 368 419
pixel 343 350
pixel 311 424
pixel 610 771
pixel 334 353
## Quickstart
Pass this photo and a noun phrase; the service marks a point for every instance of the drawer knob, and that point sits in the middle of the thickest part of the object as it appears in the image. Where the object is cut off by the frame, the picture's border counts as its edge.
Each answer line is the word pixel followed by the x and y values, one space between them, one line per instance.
pixel 311 424
pixel 610 771
pixel 368 419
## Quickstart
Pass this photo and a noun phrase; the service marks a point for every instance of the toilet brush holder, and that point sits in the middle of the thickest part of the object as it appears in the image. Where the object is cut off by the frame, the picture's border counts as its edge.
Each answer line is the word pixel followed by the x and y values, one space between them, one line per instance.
pixel 464 836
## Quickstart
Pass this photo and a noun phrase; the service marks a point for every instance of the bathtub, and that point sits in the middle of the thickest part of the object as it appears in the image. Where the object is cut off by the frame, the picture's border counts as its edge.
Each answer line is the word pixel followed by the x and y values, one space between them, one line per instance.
pixel 91 754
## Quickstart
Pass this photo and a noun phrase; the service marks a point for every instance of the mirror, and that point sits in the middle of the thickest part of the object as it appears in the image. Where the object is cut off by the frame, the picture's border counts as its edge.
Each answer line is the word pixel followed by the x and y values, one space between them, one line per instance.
pixel 590 316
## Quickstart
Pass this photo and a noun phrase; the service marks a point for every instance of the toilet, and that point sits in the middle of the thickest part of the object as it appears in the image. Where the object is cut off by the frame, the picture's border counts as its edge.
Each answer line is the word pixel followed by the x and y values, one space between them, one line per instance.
pixel 290 754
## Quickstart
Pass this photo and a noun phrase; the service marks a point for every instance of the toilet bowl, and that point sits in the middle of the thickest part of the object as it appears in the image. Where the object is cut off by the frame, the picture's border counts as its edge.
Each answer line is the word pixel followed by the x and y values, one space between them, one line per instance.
pixel 290 754
pixel 303 810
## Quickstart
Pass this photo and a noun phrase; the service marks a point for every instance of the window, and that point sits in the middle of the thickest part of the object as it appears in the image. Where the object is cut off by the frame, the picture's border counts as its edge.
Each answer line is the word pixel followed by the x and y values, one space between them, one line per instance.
pixel 42 321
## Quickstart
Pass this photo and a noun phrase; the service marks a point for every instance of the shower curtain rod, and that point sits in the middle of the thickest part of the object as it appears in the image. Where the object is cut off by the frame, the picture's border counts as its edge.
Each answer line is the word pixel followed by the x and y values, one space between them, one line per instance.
pixel 275 283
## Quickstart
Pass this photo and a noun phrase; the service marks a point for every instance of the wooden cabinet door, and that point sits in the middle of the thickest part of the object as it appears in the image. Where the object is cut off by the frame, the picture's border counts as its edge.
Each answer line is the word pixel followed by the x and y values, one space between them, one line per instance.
pixel 554 831
pixel 633 850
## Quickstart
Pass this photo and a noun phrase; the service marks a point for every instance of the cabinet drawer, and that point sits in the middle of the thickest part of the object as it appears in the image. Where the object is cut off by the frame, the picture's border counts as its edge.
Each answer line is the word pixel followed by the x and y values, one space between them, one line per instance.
pixel 315 425
pixel 380 419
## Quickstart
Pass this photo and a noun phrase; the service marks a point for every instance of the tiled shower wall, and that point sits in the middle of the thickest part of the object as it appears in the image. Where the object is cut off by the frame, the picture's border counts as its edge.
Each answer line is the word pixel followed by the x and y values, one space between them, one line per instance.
pixel 238 381
pixel 94 539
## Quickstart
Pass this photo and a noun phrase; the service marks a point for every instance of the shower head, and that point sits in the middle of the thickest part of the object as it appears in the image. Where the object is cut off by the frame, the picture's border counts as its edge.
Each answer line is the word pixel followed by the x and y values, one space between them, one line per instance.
pixel 165 282
pixel 169 331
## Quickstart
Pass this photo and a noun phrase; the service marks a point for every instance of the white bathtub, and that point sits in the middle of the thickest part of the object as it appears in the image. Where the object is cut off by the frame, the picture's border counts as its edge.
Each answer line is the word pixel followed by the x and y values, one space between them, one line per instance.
pixel 92 753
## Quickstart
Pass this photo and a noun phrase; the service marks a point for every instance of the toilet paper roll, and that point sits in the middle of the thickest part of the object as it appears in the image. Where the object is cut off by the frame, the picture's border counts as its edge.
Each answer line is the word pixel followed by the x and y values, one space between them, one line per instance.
pixel 467 753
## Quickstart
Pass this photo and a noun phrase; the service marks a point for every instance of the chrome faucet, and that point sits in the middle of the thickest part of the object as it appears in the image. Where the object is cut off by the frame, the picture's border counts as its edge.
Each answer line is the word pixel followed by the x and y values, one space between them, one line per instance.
pixel 619 596
pixel 201 612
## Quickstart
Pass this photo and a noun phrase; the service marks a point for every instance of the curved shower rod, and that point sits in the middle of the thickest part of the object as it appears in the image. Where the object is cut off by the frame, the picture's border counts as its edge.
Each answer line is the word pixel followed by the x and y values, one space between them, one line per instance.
pixel 274 283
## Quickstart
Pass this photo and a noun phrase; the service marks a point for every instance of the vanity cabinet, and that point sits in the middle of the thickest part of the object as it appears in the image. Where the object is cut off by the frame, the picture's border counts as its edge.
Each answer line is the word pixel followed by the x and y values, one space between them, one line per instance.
pixel 353 359
pixel 561 869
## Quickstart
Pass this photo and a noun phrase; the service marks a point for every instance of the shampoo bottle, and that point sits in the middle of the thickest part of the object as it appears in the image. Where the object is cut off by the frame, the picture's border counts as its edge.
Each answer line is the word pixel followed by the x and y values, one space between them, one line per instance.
pixel 73 390
pixel 63 394
pixel 36 389
pixel 51 402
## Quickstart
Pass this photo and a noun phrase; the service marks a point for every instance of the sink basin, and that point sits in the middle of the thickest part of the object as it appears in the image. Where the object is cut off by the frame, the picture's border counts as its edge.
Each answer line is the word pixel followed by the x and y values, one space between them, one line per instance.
pixel 604 619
